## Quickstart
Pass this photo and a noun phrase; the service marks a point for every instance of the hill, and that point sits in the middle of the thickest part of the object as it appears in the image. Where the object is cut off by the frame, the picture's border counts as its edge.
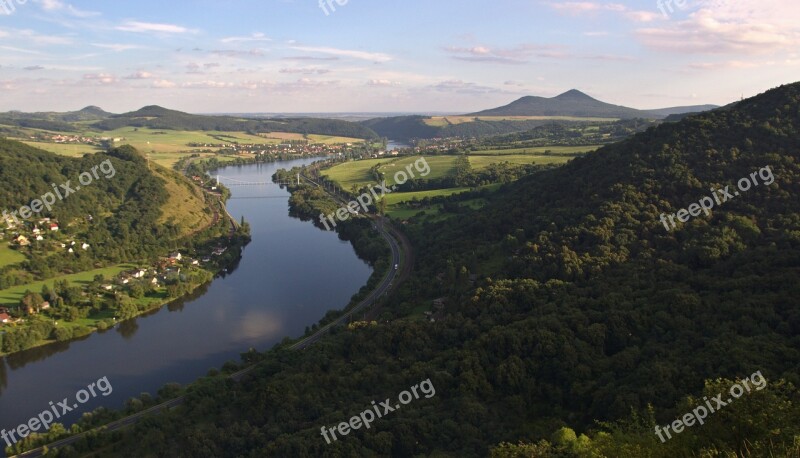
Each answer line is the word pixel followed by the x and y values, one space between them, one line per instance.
pixel 664 112
pixel 570 103
pixel 127 208
pixel 576 103
pixel 585 309
pixel 55 121
pixel 156 117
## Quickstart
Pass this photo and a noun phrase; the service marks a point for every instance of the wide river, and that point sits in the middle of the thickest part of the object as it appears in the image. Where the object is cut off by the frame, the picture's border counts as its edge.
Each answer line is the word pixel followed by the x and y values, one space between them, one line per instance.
pixel 290 275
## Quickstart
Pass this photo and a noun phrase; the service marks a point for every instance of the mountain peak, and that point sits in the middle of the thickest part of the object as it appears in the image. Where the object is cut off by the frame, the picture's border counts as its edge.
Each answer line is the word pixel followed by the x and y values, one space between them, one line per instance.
pixel 573 94
pixel 93 109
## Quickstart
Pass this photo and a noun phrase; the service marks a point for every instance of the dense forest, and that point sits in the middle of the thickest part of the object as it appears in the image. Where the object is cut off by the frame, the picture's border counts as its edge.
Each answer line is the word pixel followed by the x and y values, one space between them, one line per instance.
pixel 570 324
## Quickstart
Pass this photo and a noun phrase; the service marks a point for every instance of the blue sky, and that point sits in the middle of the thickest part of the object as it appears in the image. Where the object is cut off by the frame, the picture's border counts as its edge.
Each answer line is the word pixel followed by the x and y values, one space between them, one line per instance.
pixel 388 56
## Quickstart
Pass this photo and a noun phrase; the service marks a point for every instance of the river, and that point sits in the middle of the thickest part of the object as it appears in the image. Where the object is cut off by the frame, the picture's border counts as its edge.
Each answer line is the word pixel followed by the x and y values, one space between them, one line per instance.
pixel 289 276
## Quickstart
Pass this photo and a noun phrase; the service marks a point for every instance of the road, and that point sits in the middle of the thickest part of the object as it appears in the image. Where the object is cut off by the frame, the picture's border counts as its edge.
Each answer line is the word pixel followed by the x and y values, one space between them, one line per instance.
pixel 381 224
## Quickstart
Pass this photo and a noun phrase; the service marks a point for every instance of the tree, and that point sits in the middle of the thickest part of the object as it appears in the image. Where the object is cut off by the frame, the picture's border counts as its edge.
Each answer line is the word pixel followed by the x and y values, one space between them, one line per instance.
pixel 31 302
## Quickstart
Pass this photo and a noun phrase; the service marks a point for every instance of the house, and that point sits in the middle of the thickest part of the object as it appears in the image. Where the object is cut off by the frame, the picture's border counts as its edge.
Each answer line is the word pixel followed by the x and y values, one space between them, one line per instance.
pixel 54 227
pixel 439 303
pixel 4 318
pixel 22 240
pixel 36 230
pixel 45 305
pixel 176 256
pixel 107 287
pixel 85 245
pixel 39 238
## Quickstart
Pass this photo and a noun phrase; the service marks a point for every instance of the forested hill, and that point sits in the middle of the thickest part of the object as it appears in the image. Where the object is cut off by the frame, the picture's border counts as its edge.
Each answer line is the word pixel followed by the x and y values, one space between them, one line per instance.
pixel 156 117
pixel 586 309
pixel 120 217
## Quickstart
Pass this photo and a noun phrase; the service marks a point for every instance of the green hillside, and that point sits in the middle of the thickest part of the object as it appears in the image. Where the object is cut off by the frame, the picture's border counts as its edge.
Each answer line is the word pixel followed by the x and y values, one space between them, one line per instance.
pixel 585 312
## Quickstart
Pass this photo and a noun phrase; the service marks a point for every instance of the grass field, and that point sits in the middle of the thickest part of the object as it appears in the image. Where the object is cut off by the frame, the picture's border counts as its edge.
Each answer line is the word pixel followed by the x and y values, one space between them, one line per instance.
pixel 397 198
pixel 441 121
pixel 481 162
pixel 12 296
pixel 9 256
pixel 441 166
pixel 566 150
pixel 358 172
pixel 332 140
pixel 65 149
pixel 353 173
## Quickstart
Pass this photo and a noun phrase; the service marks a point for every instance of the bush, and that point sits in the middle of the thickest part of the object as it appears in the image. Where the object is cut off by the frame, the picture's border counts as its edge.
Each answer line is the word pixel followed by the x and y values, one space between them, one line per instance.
pixel 63 333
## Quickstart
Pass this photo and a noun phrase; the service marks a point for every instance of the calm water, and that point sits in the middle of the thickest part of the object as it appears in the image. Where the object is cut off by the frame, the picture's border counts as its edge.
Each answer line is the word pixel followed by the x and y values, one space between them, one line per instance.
pixel 290 275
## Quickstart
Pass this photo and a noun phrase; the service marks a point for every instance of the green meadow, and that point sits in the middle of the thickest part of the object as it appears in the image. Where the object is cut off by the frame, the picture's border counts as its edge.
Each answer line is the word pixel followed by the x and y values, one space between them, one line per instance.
pixel 9 256
pixel 12 296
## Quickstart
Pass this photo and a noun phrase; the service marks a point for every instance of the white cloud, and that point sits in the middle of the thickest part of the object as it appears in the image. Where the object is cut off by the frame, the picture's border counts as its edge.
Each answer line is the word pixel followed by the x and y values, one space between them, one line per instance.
pixel 305 70
pixel 163 84
pixel 150 27
pixel 31 36
pixel 382 83
pixel 117 47
pixel 462 87
pixel 103 78
pixel 57 6
pixel 362 55
pixel 251 38
pixel 730 27
pixel 139 76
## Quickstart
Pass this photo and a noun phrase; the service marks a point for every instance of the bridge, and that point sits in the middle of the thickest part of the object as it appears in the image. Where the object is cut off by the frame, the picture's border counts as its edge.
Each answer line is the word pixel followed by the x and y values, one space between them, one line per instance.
pixel 230 181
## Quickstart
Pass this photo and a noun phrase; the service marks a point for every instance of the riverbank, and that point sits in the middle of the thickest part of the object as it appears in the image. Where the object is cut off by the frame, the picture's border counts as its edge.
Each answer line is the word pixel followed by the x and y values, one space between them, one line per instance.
pixel 171 289
pixel 119 292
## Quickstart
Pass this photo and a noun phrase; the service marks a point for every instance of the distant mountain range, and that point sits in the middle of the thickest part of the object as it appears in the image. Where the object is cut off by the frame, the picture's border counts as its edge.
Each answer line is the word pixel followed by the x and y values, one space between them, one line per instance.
pixel 575 103
pixel 156 117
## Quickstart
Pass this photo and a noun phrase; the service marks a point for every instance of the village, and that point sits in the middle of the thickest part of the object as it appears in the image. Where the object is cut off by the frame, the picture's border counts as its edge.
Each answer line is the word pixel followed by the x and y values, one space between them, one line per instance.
pixel 167 278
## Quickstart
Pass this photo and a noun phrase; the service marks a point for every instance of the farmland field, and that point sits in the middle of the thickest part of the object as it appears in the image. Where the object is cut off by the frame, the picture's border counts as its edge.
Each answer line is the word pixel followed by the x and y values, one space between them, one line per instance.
pixel 65 149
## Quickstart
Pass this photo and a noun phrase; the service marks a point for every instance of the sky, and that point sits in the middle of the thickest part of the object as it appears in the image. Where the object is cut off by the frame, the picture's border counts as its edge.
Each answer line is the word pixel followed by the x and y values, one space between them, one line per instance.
pixel 296 56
